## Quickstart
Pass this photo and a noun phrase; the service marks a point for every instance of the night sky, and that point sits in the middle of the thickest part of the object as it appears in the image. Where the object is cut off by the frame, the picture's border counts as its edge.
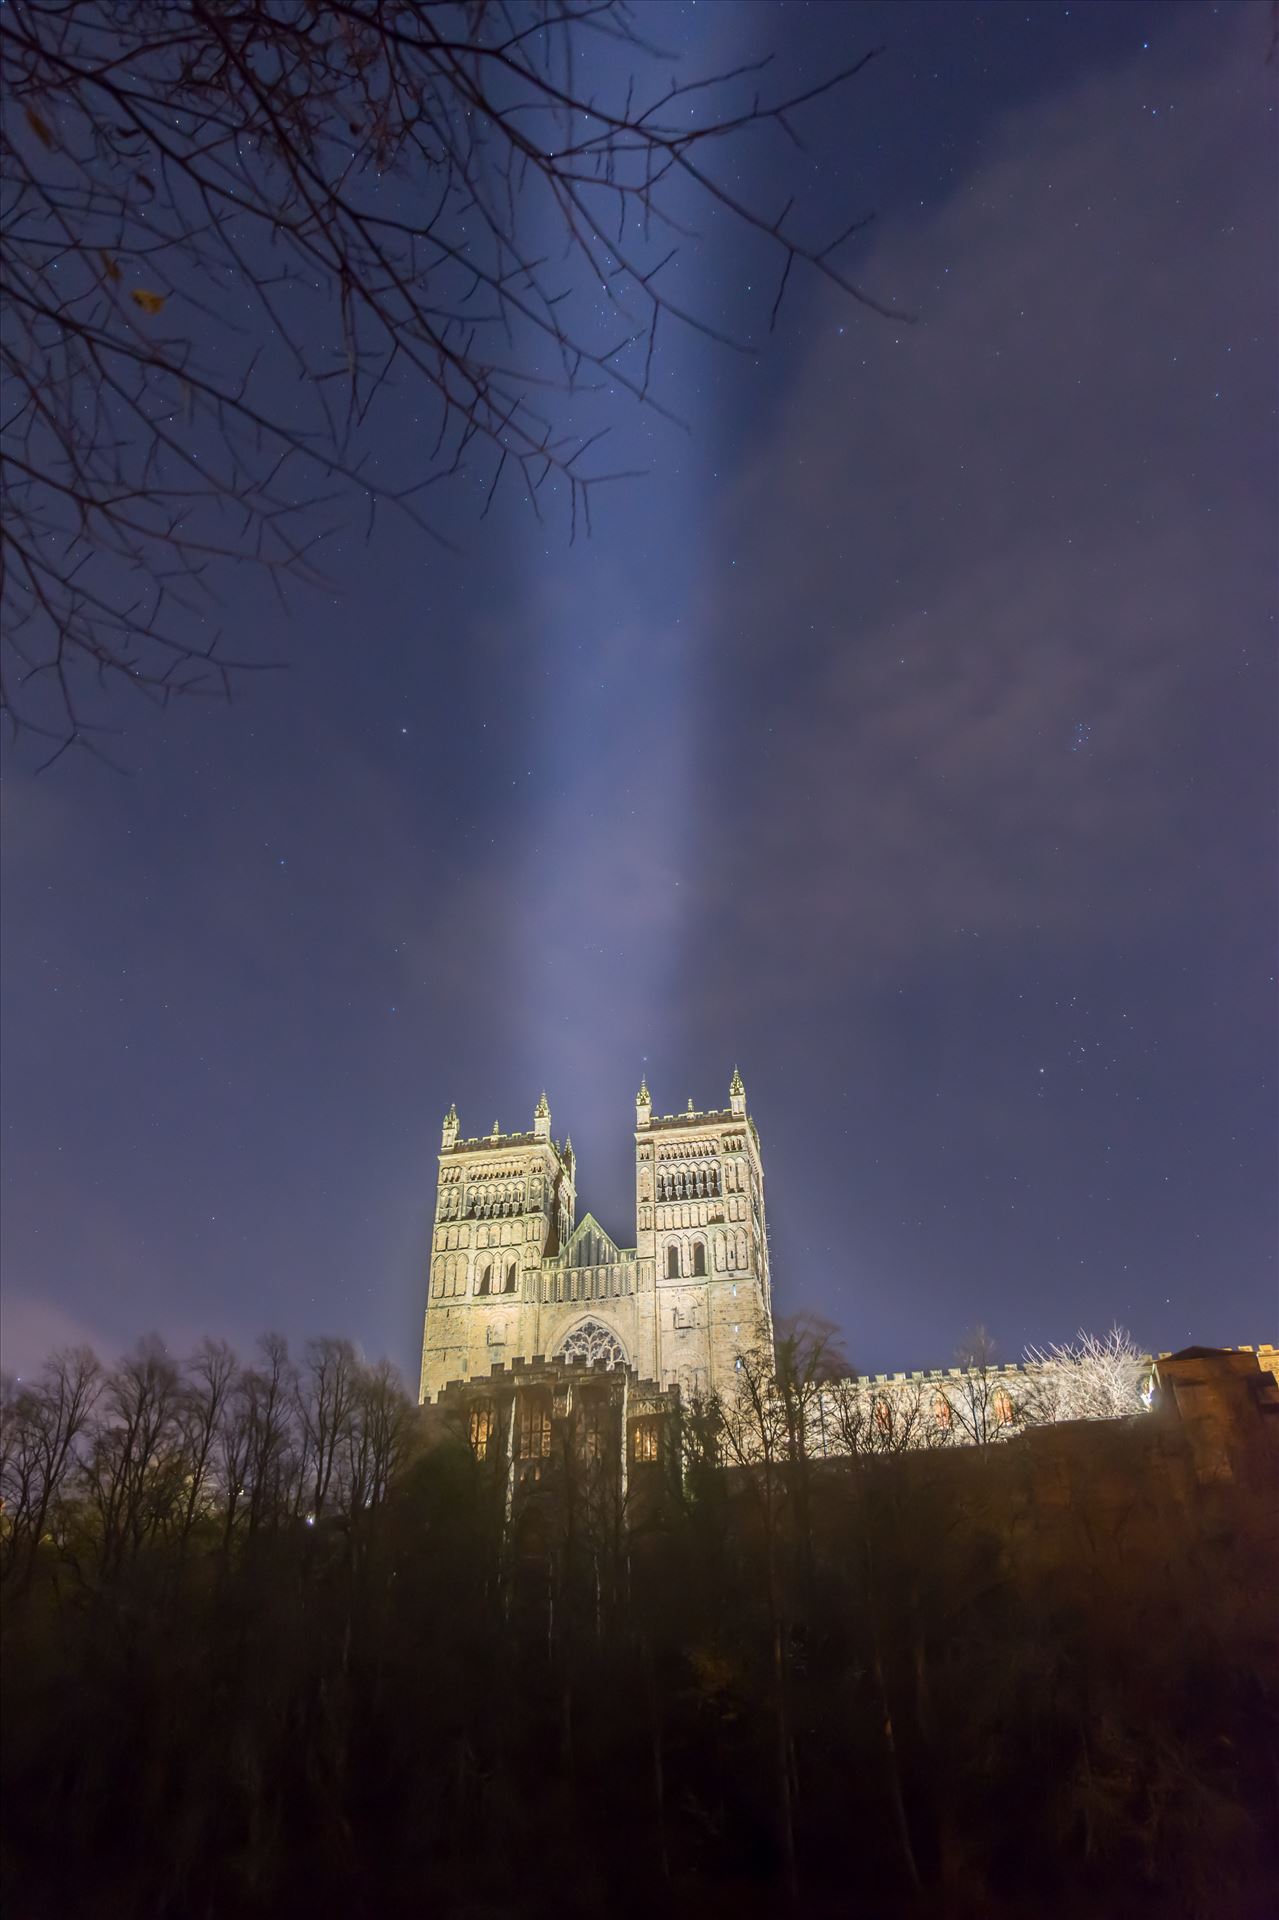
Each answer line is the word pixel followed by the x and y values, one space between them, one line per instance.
pixel 906 736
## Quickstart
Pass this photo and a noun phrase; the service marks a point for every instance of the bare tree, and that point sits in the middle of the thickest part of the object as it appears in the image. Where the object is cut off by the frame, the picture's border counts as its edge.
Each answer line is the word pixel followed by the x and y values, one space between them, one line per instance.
pixel 263 1414
pixel 135 1468
pixel 326 1396
pixel 757 1427
pixel 1087 1378
pixel 229 228
pixel 379 1433
pixel 41 1424
pixel 982 1404
pixel 204 1410
pixel 863 1418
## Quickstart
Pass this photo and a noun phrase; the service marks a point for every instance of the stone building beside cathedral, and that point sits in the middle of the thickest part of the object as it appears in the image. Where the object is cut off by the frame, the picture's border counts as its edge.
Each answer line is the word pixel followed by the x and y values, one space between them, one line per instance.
pixel 516 1275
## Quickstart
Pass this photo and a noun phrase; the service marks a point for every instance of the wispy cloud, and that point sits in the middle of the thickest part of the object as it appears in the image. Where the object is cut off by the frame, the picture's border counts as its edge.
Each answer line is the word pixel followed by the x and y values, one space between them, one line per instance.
pixel 988 582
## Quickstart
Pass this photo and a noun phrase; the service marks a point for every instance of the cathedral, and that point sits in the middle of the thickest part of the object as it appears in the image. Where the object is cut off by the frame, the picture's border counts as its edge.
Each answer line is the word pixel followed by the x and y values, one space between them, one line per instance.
pixel 515 1275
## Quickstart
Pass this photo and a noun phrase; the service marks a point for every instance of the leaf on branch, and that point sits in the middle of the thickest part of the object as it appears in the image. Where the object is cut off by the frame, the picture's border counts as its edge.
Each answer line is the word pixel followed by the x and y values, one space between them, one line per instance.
pixel 109 266
pixel 40 128
pixel 148 301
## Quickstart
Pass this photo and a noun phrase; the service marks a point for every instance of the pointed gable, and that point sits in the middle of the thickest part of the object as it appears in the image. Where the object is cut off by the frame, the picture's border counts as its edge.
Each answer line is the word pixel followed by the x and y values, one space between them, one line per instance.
pixel 589 1246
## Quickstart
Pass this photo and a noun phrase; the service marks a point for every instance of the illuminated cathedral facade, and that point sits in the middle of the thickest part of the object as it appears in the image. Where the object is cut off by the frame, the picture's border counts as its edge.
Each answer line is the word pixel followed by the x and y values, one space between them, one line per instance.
pixel 516 1275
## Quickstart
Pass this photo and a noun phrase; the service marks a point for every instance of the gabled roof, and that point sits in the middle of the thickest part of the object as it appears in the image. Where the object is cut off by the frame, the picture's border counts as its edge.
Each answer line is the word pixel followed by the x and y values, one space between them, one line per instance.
pixel 589 1224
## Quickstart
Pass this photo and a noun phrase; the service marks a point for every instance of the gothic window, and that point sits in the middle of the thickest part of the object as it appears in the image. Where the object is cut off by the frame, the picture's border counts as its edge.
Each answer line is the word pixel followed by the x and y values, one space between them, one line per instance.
pixel 1002 1402
pixel 672 1262
pixel 594 1427
pixel 942 1410
pixel 510 1278
pixel 533 1429
pixel 883 1415
pixel 486 1280
pixel 591 1341
pixel 699 1259
pixel 482 1431
pixel 644 1443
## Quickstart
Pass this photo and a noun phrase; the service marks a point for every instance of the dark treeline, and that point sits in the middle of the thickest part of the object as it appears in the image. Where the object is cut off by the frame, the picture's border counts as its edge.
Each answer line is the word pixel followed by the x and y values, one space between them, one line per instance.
pixel 274 1644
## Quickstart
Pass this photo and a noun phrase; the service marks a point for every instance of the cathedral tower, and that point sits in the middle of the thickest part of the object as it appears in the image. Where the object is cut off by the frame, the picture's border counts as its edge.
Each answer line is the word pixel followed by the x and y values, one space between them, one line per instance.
pixel 504 1204
pixel 701 1235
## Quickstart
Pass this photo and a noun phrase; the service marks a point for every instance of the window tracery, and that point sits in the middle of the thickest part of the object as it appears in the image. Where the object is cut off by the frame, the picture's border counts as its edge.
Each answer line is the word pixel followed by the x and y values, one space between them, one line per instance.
pixel 591 1341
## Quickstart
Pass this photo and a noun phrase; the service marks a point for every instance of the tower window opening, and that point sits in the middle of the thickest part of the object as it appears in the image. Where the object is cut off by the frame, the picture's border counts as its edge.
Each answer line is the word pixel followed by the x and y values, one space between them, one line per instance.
pixel 672 1262
pixel 510 1278
pixel 486 1281
pixel 699 1259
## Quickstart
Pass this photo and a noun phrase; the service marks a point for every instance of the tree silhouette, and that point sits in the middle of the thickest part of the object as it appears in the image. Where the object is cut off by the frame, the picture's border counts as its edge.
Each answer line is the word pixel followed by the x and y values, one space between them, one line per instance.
pixel 231 231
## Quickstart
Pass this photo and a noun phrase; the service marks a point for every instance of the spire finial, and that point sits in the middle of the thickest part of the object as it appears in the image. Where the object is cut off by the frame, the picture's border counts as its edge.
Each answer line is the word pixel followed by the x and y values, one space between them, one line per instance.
pixel 543 1107
pixel 691 1108
pixel 737 1095
pixel 643 1098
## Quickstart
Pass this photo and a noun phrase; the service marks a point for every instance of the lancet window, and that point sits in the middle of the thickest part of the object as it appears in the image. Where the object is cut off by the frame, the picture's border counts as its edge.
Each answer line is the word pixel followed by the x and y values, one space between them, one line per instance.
pixel 483 1430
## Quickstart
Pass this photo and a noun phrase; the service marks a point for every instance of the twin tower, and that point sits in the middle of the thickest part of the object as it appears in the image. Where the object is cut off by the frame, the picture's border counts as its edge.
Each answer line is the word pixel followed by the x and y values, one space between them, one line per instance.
pixel 516 1275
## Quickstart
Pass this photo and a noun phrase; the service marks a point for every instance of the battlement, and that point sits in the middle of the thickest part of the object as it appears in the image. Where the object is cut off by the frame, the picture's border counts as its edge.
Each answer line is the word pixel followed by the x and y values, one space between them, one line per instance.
pixel 540 1371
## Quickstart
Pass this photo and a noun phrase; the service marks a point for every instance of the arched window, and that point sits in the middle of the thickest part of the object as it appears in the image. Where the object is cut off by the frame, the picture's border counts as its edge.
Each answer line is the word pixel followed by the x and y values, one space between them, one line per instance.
pixel 942 1410
pixel 672 1262
pixel 1003 1406
pixel 699 1259
pixel 510 1279
pixel 592 1341
pixel 486 1281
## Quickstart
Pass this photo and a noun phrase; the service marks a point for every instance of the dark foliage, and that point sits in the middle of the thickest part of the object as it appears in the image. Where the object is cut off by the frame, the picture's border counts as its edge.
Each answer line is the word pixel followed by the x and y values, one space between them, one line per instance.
pixel 306 1666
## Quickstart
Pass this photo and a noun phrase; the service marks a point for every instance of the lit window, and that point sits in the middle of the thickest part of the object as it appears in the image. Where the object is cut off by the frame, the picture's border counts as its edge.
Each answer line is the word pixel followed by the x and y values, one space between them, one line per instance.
pixel 481 1431
pixel 1003 1405
pixel 645 1440
pixel 533 1430
pixel 942 1410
